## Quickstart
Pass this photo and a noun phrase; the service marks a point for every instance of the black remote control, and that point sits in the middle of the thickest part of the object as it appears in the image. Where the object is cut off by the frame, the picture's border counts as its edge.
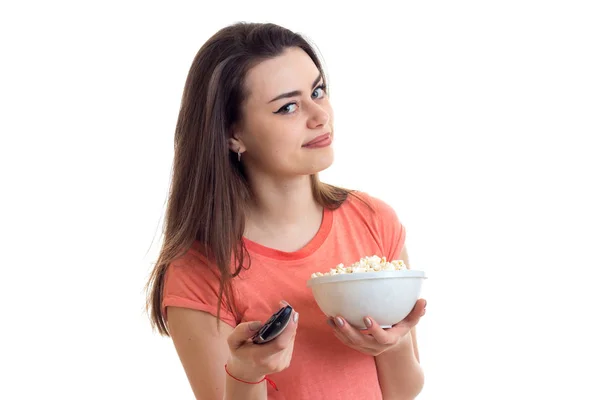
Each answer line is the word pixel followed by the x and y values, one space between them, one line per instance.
pixel 274 326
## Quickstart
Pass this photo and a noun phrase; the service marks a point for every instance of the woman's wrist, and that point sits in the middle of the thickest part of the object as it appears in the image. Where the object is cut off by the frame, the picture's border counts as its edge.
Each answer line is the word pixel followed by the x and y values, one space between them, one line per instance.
pixel 241 372
pixel 237 386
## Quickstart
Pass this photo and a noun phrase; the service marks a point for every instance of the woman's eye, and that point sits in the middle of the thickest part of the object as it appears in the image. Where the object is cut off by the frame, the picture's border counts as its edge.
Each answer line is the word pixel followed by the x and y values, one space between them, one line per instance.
pixel 286 109
pixel 318 93
pixel 322 89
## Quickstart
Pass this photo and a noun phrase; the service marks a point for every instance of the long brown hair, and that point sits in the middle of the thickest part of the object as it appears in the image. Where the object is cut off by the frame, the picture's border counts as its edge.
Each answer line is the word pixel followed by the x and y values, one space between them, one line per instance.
pixel 209 188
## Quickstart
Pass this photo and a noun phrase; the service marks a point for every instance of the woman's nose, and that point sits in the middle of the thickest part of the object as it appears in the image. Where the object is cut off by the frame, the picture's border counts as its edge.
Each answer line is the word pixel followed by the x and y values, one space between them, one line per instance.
pixel 318 117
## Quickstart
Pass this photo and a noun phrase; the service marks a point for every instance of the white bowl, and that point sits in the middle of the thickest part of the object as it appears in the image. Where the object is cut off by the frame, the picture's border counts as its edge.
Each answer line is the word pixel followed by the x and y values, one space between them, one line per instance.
pixel 387 297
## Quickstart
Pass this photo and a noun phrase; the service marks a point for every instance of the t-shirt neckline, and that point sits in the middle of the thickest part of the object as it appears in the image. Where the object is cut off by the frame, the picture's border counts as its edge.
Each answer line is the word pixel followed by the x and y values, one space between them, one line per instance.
pixel 307 250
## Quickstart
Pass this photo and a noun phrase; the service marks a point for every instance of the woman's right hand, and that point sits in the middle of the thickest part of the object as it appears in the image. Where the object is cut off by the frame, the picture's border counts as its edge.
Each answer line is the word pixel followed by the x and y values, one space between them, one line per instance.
pixel 251 362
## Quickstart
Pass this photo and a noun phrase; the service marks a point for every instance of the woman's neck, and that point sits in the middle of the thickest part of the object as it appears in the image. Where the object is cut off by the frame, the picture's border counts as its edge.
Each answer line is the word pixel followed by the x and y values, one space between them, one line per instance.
pixel 282 208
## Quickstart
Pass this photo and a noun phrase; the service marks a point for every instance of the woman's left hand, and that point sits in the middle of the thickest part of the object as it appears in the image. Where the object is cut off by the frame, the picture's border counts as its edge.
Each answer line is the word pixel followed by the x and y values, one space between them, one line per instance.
pixel 375 340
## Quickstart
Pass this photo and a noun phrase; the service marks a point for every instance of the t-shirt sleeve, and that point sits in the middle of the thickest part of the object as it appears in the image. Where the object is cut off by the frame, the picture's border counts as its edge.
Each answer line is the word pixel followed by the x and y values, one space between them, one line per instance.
pixel 192 283
pixel 392 232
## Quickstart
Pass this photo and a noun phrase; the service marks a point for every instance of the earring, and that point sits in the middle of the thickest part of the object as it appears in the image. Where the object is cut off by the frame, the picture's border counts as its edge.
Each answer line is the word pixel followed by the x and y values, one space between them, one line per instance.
pixel 239 156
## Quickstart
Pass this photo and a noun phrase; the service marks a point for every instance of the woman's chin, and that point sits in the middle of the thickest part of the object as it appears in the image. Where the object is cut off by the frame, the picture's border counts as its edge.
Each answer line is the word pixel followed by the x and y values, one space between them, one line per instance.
pixel 321 164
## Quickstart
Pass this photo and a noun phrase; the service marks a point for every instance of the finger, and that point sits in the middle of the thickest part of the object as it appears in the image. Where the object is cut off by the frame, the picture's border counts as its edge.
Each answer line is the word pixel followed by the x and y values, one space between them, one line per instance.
pixel 274 348
pixel 412 319
pixel 281 342
pixel 381 335
pixel 288 353
pixel 292 326
pixel 341 338
pixel 417 312
pixel 242 333
pixel 420 304
pixel 286 337
pixel 281 358
pixel 352 334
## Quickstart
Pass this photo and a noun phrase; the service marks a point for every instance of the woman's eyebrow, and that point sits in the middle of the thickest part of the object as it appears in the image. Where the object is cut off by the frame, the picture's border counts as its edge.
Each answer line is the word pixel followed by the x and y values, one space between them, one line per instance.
pixel 295 92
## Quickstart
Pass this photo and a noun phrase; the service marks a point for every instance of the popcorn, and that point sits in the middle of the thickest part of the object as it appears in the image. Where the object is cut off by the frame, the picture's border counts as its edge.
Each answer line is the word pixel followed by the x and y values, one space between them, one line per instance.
pixel 366 264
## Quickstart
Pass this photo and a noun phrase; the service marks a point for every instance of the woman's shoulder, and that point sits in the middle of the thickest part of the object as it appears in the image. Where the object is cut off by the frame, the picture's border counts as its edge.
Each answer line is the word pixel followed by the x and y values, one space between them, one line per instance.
pixel 191 281
pixel 369 205
pixel 192 264
pixel 380 219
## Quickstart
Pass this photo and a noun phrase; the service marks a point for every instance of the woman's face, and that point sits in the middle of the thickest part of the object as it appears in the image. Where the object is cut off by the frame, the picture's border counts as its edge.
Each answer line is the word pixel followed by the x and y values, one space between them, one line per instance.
pixel 287 108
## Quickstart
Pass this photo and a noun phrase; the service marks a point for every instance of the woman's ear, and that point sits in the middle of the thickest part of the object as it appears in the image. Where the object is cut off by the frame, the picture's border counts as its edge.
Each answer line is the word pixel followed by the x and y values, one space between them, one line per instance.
pixel 236 145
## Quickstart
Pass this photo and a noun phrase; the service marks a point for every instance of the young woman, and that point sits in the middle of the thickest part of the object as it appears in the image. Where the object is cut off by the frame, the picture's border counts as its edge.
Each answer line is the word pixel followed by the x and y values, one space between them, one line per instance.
pixel 248 222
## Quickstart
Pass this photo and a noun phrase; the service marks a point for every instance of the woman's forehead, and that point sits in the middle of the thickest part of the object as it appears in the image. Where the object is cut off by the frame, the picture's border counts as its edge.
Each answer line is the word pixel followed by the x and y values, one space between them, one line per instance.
pixel 291 71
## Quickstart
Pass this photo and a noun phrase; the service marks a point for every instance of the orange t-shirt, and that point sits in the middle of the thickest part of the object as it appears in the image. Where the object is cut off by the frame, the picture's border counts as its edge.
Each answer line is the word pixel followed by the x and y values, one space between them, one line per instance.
pixel 322 367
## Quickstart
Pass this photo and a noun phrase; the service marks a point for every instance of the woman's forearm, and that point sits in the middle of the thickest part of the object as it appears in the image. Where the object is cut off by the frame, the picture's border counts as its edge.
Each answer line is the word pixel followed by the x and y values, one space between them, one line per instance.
pixel 400 374
pixel 235 390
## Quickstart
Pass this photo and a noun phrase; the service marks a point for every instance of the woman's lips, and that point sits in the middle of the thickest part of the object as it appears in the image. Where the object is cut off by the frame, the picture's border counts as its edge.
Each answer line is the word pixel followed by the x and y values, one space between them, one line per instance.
pixel 319 141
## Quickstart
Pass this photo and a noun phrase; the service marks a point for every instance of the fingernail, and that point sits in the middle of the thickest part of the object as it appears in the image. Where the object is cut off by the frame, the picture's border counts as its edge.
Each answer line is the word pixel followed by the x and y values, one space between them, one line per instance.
pixel 254 326
pixel 423 313
pixel 339 322
pixel 296 317
pixel 368 322
pixel 330 323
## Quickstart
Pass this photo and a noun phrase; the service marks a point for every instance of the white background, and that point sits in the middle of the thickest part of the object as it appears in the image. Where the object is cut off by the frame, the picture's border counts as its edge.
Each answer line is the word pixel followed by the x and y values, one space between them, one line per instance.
pixel 478 121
